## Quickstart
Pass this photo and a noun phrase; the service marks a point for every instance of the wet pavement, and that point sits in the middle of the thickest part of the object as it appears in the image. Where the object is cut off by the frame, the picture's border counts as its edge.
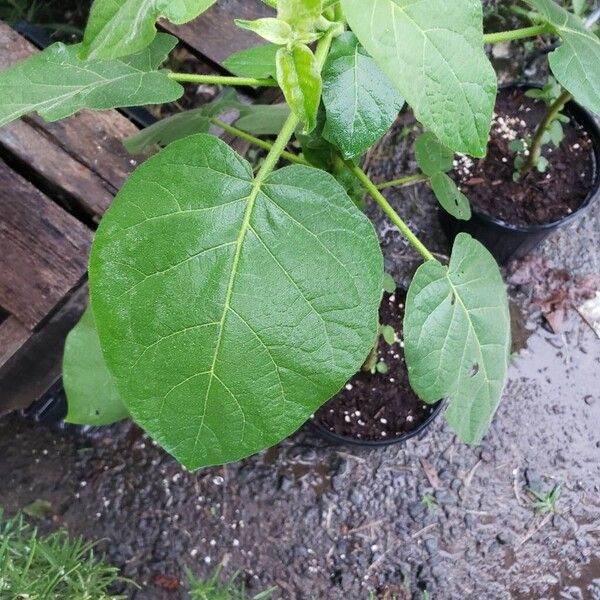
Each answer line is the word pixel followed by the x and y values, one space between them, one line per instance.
pixel 328 522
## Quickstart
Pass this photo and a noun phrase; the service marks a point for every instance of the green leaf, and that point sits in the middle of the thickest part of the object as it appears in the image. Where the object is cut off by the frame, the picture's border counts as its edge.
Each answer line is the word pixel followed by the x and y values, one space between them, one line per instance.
pixel 388 333
pixel 92 394
pixel 576 62
pixel 273 30
pixel 302 15
pixel 56 83
pixel 389 284
pixel 168 130
pixel 556 133
pixel 382 368
pixel 257 62
pixel 433 52
pixel 263 119
pixel 300 80
pixel 181 124
pixel 360 101
pixel 457 336
pixel 229 308
pixel 580 7
pixel 433 157
pixel 121 27
pixel 451 199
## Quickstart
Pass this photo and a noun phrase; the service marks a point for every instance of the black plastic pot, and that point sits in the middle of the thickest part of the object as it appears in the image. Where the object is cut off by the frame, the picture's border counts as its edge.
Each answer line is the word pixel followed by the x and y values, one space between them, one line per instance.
pixel 343 440
pixel 507 241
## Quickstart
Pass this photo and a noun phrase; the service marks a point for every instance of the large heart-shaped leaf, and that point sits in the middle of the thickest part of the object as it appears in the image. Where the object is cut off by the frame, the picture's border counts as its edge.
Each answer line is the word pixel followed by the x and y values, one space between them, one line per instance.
pixel 120 27
pixel 433 52
pixel 360 101
pixel 230 308
pixel 56 83
pixel 457 336
pixel 92 395
pixel 576 62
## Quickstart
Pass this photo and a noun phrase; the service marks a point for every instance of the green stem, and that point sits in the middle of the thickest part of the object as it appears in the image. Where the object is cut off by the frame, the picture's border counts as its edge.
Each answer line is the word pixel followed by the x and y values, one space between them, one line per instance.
pixel 293 158
pixel 221 80
pixel 389 211
pixel 403 181
pixel 535 150
pixel 516 34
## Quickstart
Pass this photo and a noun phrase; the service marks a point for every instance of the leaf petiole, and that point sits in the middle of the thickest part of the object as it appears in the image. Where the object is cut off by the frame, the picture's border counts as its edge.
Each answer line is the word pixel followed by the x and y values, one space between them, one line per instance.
pixel 403 181
pixel 516 34
pixel 389 211
pixel 221 80
pixel 293 158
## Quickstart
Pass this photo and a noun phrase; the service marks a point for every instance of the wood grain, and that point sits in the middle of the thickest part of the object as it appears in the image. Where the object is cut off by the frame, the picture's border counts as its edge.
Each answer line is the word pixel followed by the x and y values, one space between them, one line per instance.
pixel 215 35
pixel 43 250
pixel 80 160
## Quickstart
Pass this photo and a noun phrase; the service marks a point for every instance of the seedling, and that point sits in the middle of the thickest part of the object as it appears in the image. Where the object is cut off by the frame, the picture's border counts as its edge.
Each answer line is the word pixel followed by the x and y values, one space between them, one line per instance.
pixel 227 306
pixel 429 502
pixel 575 66
pixel 214 589
pixel 546 503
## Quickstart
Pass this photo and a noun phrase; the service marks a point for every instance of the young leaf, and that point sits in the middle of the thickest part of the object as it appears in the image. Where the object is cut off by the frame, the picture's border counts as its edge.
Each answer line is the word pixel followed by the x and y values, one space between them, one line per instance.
pixel 579 7
pixel 181 124
pixel 389 285
pixel 457 336
pixel 433 157
pixel 92 394
pixel 300 80
pixel 433 52
pixel 229 308
pixel 257 62
pixel 576 62
pixel 360 101
pixel 263 119
pixel 56 83
pixel 121 27
pixel 302 15
pixel 382 368
pixel 168 130
pixel 273 30
pixel 388 333
pixel 451 199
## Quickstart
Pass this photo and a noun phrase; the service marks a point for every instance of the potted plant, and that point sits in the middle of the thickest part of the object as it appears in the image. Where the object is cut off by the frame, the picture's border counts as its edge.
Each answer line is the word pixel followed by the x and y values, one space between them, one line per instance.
pixel 541 170
pixel 228 306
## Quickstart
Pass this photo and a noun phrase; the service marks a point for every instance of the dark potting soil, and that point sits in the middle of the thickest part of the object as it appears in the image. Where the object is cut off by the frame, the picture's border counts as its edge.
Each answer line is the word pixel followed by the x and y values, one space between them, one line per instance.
pixel 380 406
pixel 537 198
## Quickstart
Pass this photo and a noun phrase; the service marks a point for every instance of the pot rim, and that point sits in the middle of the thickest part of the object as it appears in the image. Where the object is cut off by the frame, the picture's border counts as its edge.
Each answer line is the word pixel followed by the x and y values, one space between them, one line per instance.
pixel 351 441
pixel 584 119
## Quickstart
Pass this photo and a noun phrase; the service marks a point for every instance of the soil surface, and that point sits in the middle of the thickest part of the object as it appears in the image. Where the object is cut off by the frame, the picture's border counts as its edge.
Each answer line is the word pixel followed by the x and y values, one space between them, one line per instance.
pixel 536 198
pixel 379 406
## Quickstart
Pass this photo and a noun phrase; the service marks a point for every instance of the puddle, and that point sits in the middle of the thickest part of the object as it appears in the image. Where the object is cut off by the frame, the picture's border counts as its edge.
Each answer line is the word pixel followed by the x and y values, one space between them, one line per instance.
pixel 299 468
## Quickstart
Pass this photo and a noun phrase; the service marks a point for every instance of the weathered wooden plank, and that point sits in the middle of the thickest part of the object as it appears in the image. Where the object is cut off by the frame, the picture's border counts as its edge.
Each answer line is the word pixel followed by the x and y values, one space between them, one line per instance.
pixel 43 250
pixel 215 35
pixel 13 334
pixel 36 367
pixel 80 159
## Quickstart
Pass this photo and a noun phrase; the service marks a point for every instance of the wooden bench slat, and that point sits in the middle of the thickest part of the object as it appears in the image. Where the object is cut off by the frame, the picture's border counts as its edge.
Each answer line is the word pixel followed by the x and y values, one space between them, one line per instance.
pixel 43 250
pixel 81 156
pixel 215 35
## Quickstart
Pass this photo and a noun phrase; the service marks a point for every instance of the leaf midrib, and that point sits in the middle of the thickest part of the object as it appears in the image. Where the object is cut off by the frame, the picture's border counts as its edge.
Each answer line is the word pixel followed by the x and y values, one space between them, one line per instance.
pixel 258 181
